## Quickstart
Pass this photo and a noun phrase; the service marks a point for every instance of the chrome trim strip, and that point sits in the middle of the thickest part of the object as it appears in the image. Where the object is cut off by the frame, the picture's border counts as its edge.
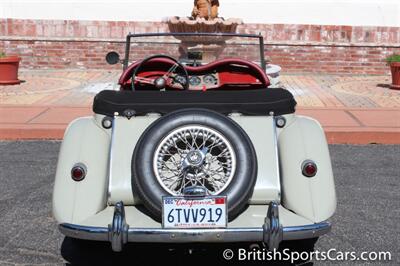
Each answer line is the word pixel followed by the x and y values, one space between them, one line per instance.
pixel 306 231
pixel 119 233
pixel 195 235
pixel 84 232
pixel 110 159
pixel 276 150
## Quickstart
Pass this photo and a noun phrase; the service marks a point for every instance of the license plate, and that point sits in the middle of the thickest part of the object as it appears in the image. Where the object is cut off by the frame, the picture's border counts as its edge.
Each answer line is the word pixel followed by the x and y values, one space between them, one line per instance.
pixel 205 212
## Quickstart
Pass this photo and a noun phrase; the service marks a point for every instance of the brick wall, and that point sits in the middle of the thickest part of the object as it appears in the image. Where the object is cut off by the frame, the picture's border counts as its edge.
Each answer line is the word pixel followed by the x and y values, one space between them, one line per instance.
pixel 297 48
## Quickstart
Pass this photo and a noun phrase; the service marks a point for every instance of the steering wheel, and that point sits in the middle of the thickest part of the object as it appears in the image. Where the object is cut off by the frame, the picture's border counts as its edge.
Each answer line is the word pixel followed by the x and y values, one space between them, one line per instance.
pixel 161 82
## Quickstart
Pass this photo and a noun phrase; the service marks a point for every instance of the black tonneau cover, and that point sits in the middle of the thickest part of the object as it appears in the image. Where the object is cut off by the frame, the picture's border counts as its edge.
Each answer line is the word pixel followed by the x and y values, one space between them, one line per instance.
pixel 248 102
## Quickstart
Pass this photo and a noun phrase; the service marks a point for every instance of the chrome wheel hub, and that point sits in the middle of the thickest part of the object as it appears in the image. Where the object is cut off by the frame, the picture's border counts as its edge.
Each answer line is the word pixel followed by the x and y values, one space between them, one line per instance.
pixel 194 156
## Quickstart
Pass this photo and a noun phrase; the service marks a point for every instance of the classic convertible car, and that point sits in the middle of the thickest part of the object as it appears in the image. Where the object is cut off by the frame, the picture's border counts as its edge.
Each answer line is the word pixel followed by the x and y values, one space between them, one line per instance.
pixel 195 149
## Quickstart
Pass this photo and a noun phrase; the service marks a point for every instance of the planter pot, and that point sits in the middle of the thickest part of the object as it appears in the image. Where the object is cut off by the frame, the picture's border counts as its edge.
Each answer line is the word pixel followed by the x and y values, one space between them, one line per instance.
pixel 9 70
pixel 395 68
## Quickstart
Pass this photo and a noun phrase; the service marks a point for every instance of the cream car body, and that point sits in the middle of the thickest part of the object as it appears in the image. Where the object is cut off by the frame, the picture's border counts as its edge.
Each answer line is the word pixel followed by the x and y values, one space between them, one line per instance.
pixel 285 204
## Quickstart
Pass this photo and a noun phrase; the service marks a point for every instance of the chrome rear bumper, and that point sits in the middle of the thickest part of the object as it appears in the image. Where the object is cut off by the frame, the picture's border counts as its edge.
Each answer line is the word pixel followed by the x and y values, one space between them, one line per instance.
pixel 119 233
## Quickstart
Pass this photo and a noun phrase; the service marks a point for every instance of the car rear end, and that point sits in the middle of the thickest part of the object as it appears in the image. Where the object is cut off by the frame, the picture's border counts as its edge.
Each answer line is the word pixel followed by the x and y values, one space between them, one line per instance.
pixel 224 173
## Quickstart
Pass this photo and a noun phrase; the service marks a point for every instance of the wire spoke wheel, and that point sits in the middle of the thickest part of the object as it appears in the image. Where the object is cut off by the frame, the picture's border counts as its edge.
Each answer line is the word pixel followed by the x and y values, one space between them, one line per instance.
pixel 194 155
pixel 194 151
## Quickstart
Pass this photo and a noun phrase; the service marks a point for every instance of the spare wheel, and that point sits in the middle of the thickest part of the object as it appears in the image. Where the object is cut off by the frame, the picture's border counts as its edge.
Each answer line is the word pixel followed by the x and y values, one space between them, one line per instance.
pixel 194 147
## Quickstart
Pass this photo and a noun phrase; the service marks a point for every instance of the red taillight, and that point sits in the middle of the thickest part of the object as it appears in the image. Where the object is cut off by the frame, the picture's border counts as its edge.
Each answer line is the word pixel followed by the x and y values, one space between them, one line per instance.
pixel 78 172
pixel 309 168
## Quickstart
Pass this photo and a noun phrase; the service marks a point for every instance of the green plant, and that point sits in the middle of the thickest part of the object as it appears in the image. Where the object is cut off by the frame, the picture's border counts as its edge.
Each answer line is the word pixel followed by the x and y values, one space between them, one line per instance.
pixel 393 58
pixel 2 54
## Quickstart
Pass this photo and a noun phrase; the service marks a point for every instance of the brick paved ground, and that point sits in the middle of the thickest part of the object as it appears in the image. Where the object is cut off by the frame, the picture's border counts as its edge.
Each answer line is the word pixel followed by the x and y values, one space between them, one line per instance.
pixel 352 109
pixel 342 91
pixel 77 87
pixel 58 88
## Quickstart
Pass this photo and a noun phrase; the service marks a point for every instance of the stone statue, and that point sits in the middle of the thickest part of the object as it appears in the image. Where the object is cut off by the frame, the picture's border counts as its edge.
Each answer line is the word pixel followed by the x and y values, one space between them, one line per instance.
pixel 207 9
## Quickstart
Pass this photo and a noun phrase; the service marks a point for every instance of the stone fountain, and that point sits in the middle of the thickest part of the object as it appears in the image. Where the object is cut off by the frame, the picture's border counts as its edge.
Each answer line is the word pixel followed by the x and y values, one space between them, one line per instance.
pixel 210 46
pixel 205 19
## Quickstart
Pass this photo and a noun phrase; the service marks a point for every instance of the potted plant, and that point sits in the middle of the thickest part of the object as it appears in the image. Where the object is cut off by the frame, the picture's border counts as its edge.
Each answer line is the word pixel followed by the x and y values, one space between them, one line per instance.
pixel 394 63
pixel 9 69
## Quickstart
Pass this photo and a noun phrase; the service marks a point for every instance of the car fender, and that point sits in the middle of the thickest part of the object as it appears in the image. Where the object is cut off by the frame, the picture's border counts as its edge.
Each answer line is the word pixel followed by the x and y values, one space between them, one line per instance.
pixel 85 142
pixel 313 198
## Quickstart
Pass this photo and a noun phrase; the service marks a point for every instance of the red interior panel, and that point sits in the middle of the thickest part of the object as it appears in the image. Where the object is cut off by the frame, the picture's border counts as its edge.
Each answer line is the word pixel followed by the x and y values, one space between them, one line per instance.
pixel 230 72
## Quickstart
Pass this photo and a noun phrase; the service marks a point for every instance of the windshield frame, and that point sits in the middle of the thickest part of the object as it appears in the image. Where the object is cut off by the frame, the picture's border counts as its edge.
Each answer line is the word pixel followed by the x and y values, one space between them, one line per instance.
pixel 179 34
